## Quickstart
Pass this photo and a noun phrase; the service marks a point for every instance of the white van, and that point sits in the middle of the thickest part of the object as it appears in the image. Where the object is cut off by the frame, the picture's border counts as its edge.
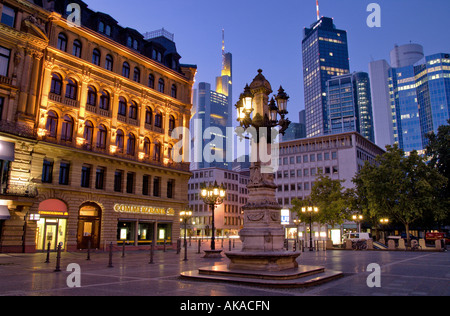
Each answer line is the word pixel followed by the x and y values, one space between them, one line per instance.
pixel 356 236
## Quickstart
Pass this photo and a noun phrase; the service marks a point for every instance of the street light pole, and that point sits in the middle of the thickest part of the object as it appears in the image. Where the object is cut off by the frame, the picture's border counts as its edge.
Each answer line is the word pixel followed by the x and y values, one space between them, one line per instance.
pixel 212 196
pixel 310 210
pixel 185 215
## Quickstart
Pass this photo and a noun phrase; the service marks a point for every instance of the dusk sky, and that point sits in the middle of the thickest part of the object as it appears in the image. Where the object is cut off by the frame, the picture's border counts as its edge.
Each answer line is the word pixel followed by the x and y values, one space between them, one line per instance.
pixel 267 34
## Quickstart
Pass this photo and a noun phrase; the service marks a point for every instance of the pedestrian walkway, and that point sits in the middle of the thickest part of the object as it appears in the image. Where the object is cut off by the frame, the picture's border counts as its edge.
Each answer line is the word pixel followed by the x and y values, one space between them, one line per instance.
pixel 401 273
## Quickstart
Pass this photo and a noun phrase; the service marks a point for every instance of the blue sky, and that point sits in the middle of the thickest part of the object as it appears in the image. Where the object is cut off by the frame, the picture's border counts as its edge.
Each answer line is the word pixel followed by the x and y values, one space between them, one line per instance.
pixel 267 34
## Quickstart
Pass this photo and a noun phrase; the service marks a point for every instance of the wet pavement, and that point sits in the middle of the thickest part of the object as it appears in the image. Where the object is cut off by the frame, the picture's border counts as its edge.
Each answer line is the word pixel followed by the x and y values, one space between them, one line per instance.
pixel 400 273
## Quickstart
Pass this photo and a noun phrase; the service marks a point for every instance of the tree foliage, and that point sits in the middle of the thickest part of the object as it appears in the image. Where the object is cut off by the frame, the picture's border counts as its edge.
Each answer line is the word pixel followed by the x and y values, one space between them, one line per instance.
pixel 400 187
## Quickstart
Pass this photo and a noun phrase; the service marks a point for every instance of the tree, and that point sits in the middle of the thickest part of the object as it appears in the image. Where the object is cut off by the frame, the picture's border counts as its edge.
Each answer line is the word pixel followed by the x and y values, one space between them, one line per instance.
pixel 331 199
pixel 400 187
pixel 438 152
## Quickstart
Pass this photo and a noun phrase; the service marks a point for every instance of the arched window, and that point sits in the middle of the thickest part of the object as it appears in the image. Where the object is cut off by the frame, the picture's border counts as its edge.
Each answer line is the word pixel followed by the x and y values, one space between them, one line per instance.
pixel 122 107
pixel 101 136
pixel 67 129
pixel 171 123
pixel 133 111
pixel 56 85
pixel 52 123
pixel 151 81
pixel 76 51
pixel 62 42
pixel 161 85
pixel 137 75
pixel 120 139
pixel 157 151
pixel 146 147
pixel 158 119
pixel 174 91
pixel 105 100
pixel 96 57
pixel 88 134
pixel 131 144
pixel 109 62
pixel 92 96
pixel 71 89
pixel 129 41
pixel 126 70
pixel 148 115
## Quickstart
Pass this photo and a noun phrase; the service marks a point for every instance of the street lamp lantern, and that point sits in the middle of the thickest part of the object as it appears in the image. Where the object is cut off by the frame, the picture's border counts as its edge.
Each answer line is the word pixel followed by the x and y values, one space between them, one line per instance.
pixel 213 195
pixel 282 99
pixel 245 106
pixel 247 98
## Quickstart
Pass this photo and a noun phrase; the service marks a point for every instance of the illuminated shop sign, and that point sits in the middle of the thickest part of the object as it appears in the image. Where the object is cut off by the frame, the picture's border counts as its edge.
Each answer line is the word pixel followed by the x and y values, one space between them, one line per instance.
pixel 138 209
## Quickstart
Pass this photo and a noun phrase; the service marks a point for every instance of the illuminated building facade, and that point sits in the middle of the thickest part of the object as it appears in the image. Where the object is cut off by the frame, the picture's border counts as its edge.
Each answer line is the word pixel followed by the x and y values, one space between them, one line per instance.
pixel 90 110
pixel 349 105
pixel 228 216
pixel 325 55
pixel 410 100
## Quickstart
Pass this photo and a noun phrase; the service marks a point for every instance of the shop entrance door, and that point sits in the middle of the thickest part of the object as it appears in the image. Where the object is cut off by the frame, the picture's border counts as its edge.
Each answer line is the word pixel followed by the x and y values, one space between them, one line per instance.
pixel 89 226
pixel 50 236
pixel 88 230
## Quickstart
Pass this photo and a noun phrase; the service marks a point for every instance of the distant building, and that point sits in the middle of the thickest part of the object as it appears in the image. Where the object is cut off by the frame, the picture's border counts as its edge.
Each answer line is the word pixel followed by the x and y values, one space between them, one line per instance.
pixel 349 105
pixel 228 216
pixel 294 131
pixel 325 54
pixel 411 100
pixel 338 156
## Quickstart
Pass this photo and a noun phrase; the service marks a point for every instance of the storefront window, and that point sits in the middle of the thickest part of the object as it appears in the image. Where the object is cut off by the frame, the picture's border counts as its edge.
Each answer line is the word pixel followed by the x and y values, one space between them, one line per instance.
pixel 164 232
pixel 126 232
pixel 145 233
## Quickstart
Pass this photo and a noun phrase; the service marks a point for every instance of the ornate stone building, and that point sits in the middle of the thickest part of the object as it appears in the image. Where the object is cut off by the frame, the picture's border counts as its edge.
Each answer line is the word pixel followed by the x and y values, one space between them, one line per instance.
pixel 90 110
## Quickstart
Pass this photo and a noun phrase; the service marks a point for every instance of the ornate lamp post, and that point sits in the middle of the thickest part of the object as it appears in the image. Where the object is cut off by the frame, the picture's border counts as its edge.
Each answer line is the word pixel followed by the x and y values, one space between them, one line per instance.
pixel 185 215
pixel 212 196
pixel 310 210
pixel 358 218
pixel 263 235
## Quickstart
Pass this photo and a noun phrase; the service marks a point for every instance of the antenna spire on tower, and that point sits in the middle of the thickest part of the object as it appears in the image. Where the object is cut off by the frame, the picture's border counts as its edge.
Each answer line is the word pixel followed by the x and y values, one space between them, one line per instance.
pixel 317 6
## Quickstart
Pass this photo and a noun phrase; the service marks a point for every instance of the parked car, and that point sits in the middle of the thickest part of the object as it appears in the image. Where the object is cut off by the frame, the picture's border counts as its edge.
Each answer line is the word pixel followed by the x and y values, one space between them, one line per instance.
pixel 432 237
pixel 356 236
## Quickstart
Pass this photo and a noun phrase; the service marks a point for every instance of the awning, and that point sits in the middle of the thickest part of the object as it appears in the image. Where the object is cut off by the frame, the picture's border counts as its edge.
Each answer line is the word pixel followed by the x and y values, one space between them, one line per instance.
pixel 4 212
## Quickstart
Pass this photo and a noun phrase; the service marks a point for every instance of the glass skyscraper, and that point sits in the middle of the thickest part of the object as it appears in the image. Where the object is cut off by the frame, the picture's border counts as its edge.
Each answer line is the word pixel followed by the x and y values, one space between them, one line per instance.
pixel 349 105
pixel 420 100
pixel 325 54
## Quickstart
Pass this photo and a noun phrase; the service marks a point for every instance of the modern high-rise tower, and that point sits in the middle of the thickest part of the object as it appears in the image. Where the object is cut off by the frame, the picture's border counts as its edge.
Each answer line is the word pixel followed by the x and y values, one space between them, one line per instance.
pixel 411 99
pixel 214 113
pixel 325 54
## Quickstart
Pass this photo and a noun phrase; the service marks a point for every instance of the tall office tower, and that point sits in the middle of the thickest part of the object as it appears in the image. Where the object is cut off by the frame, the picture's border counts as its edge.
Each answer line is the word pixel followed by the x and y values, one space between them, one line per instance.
pixel 209 129
pixel 325 54
pixel 224 82
pixel 349 105
pixel 418 98
pixel 213 111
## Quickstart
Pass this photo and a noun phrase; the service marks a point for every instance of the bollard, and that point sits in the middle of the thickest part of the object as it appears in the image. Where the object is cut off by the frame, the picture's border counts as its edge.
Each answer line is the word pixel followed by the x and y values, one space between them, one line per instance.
pixel 229 244
pixel 178 246
pixel 303 246
pixel 199 245
pixel 233 243
pixel 151 252
pixel 89 251
pixel 123 249
pixel 48 253
pixel 110 265
pixel 58 259
pixel 164 244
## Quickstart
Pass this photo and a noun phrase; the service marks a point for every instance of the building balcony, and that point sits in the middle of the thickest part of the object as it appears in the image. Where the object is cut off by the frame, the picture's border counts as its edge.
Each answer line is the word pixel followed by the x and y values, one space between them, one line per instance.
pixel 20 190
pixel 6 80
pixel 63 100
